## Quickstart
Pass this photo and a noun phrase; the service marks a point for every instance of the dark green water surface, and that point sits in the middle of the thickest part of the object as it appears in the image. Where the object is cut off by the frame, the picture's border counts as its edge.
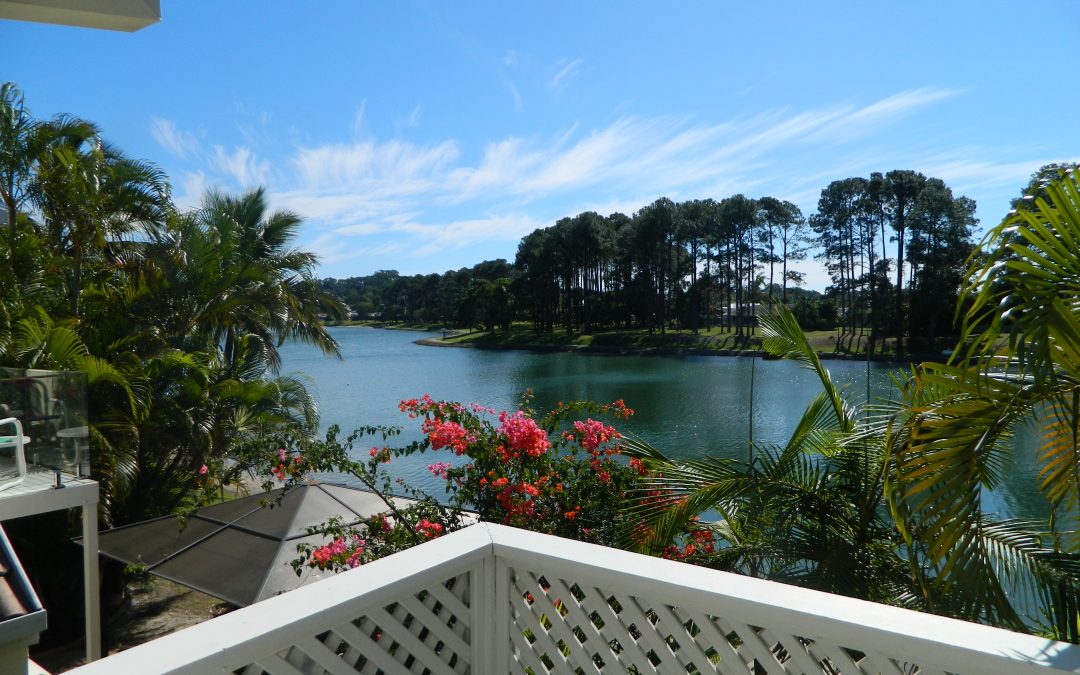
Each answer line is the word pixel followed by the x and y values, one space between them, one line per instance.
pixel 686 406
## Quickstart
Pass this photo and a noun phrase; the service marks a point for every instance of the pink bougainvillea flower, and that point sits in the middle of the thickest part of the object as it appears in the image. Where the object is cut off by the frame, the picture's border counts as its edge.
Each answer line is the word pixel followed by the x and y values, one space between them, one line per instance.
pixel 523 434
pixel 203 469
pixel 592 434
pixel 439 469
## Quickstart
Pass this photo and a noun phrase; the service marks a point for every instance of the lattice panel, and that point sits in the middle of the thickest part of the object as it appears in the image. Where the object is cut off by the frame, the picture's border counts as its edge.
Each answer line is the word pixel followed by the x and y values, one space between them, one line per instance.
pixel 427 631
pixel 563 627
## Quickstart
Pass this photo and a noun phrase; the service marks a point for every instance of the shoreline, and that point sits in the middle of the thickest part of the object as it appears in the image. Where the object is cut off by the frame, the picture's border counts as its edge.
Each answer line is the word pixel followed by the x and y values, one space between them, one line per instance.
pixel 651 351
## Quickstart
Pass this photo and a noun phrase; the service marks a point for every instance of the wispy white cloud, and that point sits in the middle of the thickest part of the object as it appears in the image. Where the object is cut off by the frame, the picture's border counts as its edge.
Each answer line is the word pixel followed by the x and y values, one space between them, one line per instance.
pixel 758 84
pixel 358 130
pixel 178 142
pixel 567 69
pixel 440 238
pixel 412 120
pixel 360 182
pixel 510 59
pixel 417 239
pixel 193 186
pixel 361 229
pixel 964 171
pixel 329 249
pixel 367 197
pixel 242 166
pixel 394 168
pixel 255 127
pixel 515 95
pixel 854 123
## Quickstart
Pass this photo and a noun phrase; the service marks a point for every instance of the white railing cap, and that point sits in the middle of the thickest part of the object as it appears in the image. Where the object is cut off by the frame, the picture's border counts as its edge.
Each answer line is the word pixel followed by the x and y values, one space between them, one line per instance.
pixel 243 636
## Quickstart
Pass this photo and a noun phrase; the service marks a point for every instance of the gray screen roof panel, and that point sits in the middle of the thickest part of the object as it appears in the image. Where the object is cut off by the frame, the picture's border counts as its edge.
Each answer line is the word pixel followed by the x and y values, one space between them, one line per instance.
pixel 240 550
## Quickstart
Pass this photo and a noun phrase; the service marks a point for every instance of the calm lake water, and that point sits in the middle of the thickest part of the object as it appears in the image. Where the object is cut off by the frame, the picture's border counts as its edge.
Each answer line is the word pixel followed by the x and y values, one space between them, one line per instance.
pixel 685 406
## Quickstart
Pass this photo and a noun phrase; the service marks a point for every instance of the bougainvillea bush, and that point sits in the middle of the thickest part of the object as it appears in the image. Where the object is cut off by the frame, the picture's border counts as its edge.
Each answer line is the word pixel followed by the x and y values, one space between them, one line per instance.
pixel 559 473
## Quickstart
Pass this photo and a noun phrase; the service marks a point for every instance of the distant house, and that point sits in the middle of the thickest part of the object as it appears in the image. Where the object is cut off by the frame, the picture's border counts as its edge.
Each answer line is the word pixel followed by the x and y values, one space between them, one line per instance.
pixel 730 316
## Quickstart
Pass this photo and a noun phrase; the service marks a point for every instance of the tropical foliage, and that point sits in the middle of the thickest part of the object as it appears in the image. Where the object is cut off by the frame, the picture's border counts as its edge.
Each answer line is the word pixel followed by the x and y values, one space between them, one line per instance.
pixel 887 503
pixel 176 317
pixel 811 512
pixel 1018 365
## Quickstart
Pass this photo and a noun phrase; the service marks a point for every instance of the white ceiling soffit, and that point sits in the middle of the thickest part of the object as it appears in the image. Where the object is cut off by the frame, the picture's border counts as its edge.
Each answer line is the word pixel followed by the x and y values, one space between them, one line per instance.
pixel 125 15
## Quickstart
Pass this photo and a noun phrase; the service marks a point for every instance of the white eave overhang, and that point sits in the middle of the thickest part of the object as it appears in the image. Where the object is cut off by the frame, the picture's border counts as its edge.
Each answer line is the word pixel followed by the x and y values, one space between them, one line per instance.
pixel 125 15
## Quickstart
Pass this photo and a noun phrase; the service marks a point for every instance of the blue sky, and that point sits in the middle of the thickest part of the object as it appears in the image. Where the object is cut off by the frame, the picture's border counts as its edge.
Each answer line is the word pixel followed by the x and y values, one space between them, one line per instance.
pixel 426 136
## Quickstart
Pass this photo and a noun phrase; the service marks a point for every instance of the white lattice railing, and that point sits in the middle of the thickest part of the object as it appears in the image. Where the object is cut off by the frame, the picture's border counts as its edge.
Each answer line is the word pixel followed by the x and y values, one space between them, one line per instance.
pixel 492 599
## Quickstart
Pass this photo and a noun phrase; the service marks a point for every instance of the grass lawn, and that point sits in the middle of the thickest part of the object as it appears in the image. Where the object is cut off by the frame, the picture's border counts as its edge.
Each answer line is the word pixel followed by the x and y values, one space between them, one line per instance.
pixel 521 336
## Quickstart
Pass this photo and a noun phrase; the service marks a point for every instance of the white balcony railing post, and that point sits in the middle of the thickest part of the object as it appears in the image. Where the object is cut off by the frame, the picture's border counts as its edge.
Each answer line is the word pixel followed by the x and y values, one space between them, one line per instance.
pixel 503 622
pixel 482 620
pixel 490 616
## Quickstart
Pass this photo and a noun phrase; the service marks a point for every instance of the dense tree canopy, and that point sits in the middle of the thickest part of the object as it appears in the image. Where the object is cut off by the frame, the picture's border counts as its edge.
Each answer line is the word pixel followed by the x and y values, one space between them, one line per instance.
pixel 705 262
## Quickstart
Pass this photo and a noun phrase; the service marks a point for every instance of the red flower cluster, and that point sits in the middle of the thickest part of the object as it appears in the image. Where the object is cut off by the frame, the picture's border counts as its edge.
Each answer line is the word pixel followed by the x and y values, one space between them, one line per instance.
pixel 417 406
pixel 618 409
pixel 701 541
pixel 554 474
pixel 380 454
pixel 379 523
pixel 429 529
pixel 447 435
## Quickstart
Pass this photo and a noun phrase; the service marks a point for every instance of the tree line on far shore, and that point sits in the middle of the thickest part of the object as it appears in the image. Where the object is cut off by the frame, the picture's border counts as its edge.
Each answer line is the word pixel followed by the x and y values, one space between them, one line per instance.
pixel 894 245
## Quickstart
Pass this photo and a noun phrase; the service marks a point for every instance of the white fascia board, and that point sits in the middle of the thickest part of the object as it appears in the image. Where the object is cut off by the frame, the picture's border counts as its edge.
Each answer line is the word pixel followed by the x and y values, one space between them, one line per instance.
pixel 122 15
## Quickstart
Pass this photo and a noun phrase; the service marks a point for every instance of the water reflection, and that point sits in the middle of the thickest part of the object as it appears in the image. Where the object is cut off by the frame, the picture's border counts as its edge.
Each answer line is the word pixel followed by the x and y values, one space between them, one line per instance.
pixel 687 406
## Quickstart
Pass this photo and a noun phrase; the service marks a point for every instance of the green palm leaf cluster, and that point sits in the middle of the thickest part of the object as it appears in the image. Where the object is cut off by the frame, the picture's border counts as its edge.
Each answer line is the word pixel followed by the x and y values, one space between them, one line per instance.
pixel 1018 365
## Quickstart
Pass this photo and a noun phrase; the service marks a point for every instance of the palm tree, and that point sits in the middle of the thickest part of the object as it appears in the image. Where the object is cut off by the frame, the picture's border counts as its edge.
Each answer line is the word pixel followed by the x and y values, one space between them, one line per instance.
pixel 1018 363
pixel 811 512
pixel 199 410
pixel 200 306
pixel 251 281
pixel 89 195
pixel 17 128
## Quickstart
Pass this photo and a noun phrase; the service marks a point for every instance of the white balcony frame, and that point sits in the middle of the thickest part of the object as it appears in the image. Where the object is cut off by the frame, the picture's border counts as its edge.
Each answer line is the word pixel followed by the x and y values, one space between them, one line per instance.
pixel 473 602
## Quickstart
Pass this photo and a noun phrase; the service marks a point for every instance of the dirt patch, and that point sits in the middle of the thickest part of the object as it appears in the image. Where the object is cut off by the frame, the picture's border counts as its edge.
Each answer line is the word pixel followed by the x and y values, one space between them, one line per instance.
pixel 154 607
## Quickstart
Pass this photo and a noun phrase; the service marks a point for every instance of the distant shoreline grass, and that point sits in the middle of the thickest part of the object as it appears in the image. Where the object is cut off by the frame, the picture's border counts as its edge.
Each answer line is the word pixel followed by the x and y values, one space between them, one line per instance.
pixel 681 342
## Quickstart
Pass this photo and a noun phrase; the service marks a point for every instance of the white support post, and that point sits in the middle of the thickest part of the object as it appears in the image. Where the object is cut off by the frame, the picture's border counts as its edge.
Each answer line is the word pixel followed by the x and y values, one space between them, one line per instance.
pixel 481 600
pixel 501 653
pixel 91 581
